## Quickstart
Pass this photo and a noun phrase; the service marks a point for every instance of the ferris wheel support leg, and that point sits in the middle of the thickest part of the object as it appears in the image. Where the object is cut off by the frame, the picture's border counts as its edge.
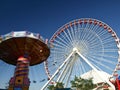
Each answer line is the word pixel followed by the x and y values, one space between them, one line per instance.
pixel 45 86
pixel 70 70
pixel 85 59
pixel 63 71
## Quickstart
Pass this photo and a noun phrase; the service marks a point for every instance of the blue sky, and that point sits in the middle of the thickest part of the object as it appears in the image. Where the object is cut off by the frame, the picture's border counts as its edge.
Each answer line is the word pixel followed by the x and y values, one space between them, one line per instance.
pixel 46 16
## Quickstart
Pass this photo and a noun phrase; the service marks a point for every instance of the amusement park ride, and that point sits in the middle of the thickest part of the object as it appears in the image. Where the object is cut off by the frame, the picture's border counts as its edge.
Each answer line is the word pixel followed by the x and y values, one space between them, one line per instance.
pixel 22 49
pixel 81 46
pixel 85 47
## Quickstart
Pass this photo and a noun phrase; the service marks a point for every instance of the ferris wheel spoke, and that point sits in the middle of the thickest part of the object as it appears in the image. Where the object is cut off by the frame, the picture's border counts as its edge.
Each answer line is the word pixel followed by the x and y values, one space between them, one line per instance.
pixel 94 43
pixel 63 36
pixel 108 40
pixel 108 57
pixel 87 61
pixel 98 28
pixel 103 59
pixel 65 68
pixel 104 35
pixel 82 68
pixel 59 43
pixel 69 33
pixel 101 32
pixel 105 46
pixel 72 33
pixel 104 52
pixel 86 35
pixel 69 74
pixel 107 50
pixel 110 46
pixel 93 40
pixel 75 32
pixel 67 37
pixel 101 63
pixel 62 40
pixel 60 47
pixel 77 63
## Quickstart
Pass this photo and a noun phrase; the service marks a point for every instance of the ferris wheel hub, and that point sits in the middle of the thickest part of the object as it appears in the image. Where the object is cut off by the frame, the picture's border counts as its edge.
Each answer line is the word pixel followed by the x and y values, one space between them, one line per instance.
pixel 74 49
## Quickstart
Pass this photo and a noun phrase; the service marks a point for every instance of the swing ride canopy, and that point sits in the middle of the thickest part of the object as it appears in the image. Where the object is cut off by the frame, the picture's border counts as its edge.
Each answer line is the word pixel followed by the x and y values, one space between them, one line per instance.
pixel 23 43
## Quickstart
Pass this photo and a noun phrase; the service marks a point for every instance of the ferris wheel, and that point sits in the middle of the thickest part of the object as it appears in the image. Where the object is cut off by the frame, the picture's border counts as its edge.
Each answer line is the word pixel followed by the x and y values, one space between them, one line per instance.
pixel 81 46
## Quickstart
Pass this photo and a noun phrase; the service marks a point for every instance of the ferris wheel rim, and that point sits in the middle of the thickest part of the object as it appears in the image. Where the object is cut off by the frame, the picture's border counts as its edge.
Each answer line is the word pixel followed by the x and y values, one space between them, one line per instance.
pixel 85 20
